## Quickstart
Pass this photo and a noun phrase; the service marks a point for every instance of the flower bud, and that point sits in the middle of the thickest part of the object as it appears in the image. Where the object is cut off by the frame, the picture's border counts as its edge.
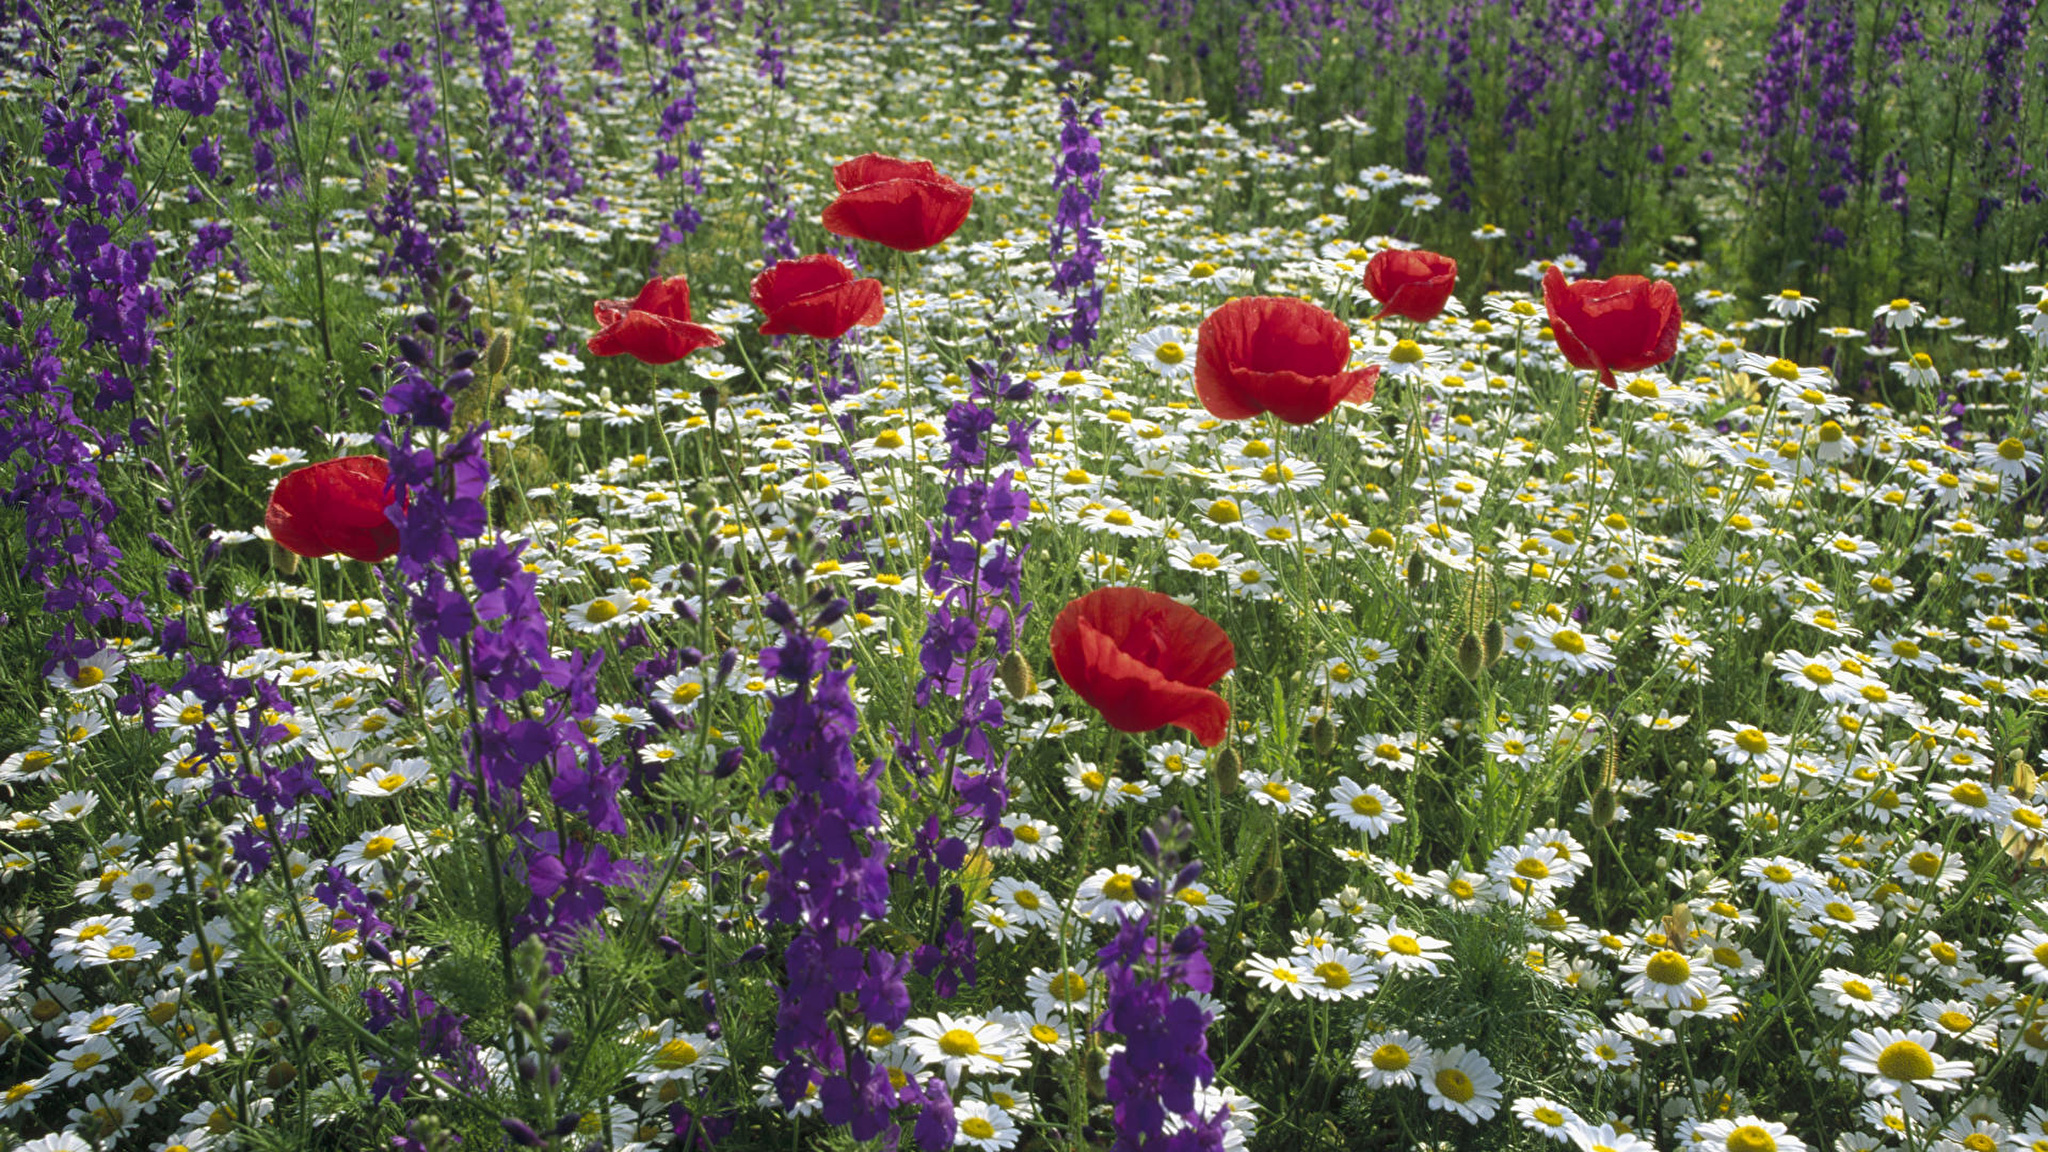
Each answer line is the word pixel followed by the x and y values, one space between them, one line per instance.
pixel 1471 656
pixel 1017 677
pixel 1603 807
pixel 1229 767
pixel 520 1132
pixel 1492 642
pixel 498 353
pixel 1323 734
pixel 1415 571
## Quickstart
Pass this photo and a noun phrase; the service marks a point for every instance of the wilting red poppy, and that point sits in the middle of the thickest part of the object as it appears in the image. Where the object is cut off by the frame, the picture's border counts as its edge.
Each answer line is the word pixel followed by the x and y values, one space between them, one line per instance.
pixel 1144 660
pixel 816 296
pixel 1625 324
pixel 1276 354
pixel 902 204
pixel 654 327
pixel 334 506
pixel 1410 283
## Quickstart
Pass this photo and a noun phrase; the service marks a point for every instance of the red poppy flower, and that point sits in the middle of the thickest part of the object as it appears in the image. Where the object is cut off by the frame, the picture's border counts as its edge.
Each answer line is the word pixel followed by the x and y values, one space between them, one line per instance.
pixel 902 204
pixel 654 327
pixel 1144 660
pixel 335 506
pixel 1276 354
pixel 816 296
pixel 1411 283
pixel 1625 324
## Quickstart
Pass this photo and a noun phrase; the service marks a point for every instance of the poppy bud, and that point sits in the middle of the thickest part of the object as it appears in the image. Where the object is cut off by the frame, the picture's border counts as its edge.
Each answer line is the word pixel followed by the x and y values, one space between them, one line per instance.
pixel 1493 642
pixel 1229 768
pixel 279 1075
pixel 1471 658
pixel 498 353
pixel 1323 734
pixel 1603 807
pixel 1016 673
pixel 1415 571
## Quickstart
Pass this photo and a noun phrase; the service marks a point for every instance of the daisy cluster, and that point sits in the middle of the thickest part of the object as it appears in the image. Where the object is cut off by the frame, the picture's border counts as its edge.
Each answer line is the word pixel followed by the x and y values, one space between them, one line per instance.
pixel 1655 767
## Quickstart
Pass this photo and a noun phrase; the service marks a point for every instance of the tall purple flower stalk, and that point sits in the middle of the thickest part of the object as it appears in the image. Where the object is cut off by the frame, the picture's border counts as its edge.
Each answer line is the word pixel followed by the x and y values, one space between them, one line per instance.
pixel 1165 1057
pixel 825 884
pixel 1075 244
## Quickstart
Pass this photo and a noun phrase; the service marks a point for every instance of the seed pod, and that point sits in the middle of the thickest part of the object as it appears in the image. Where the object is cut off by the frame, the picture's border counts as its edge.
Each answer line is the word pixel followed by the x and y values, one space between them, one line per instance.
pixel 1324 733
pixel 1017 676
pixel 1415 571
pixel 1471 658
pixel 498 353
pixel 1493 642
pixel 1229 767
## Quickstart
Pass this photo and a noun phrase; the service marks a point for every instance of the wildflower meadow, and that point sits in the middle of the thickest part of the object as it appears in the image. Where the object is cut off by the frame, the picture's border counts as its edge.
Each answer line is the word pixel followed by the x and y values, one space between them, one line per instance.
pixel 1155 576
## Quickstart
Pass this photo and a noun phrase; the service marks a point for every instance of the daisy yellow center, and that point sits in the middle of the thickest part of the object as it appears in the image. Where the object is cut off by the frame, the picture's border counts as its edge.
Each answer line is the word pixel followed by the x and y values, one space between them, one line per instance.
pixel 1751 1138
pixel 1068 986
pixel 977 1128
pixel 1366 804
pixel 1028 833
pixel 121 952
pixel 1406 352
pixel 191 714
pixel 198 1053
pixel 1971 793
pixel 1277 791
pixel 1857 989
pixel 1547 1116
pixel 85 1060
pixel 1668 967
pixel 1924 864
pixel 1819 673
pixel 1905 1060
pixel 1205 561
pixel 1045 1034
pixel 88 676
pixel 1276 474
pixel 1117 887
pixel 1836 910
pixel 677 1053
pixel 2011 449
pixel 1569 641
pixel 1118 517
pixel 1404 944
pixel 1028 900
pixel 1955 1021
pixel 1333 974
pixel 1390 1058
pixel 1093 780
pixel 1454 1085
pixel 378 846
pixel 600 611
pixel 957 1042
pixel 1783 369
pixel 1980 1142
pixel 1461 889
pixel 1531 868
pixel 1170 353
